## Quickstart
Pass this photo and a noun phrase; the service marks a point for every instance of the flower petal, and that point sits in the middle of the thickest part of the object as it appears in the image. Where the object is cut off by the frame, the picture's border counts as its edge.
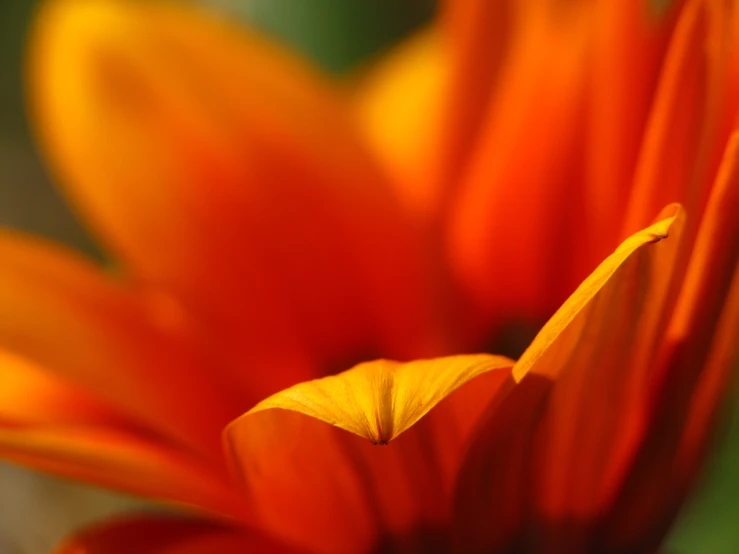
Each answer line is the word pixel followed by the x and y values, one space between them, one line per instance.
pixel 329 490
pixel 220 167
pixel 382 399
pixel 120 460
pixel 62 313
pixel 697 362
pixel 30 395
pixel 604 281
pixel 160 534
pixel 50 425
pixel 478 37
pixel 522 181
pixel 398 104
pixel 579 408
pixel 683 141
pixel 629 48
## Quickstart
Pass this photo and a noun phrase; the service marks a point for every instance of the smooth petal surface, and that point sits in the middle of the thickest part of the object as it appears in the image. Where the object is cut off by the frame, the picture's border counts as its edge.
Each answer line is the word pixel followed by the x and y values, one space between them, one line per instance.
pixel 65 315
pixel 478 35
pixel 578 410
pixel 696 364
pixel 380 400
pixel 50 425
pixel 522 191
pixel 581 306
pixel 218 166
pixel 315 484
pixel 399 106
pixel 122 460
pixel 162 534
pixel 30 395
pixel 629 46
pixel 684 138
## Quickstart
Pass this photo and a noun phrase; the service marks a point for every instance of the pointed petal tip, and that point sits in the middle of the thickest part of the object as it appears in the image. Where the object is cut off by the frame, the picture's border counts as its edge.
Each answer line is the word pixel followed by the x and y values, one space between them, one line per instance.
pixel 669 218
pixel 308 464
pixel 381 399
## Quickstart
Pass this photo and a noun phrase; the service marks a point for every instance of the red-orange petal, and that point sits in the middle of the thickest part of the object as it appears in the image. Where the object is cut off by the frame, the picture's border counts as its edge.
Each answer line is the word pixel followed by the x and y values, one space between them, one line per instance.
pixel 572 422
pixel 628 51
pixel 684 137
pixel 164 534
pixel 121 460
pixel 50 425
pixel 30 395
pixel 224 169
pixel 478 36
pixel 519 203
pixel 62 313
pixel 315 478
pixel 697 363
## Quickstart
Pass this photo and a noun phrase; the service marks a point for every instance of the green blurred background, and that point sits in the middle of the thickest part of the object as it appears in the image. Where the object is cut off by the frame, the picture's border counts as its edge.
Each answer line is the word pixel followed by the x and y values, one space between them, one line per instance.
pixel 339 35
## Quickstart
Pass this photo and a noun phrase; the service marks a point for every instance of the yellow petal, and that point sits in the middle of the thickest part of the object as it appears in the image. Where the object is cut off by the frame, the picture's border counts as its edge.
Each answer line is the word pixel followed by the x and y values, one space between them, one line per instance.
pixel 224 169
pixel 382 399
pixel 317 485
pixel 399 104
pixel 581 403
pixel 559 329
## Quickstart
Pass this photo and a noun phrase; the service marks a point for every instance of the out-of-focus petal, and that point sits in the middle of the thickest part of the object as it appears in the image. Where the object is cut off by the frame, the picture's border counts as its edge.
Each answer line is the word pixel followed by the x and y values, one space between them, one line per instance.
pixel 162 534
pixel 330 490
pixel 571 423
pixel 63 314
pixel 684 138
pixel 119 459
pixel 629 46
pixel 50 425
pixel 399 107
pixel 30 395
pixel 478 37
pixel 521 192
pixel 697 361
pixel 222 168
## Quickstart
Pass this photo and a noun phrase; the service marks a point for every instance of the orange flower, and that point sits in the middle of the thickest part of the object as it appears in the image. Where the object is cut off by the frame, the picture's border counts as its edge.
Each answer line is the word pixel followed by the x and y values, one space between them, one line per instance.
pixel 269 230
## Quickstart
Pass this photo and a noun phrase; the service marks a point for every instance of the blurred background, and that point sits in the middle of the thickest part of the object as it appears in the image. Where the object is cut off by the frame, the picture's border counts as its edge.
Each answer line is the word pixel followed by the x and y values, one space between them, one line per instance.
pixel 340 35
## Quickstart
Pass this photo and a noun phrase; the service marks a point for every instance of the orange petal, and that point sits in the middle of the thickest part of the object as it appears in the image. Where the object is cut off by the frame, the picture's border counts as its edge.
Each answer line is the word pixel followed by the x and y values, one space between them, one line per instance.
pixel 697 362
pixel 330 490
pixel 62 313
pixel 30 395
pixel 629 47
pixel 398 104
pixel 160 534
pixel 220 167
pixel 121 460
pixel 478 36
pixel 581 306
pixel 684 138
pixel 49 425
pixel 580 404
pixel 519 203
